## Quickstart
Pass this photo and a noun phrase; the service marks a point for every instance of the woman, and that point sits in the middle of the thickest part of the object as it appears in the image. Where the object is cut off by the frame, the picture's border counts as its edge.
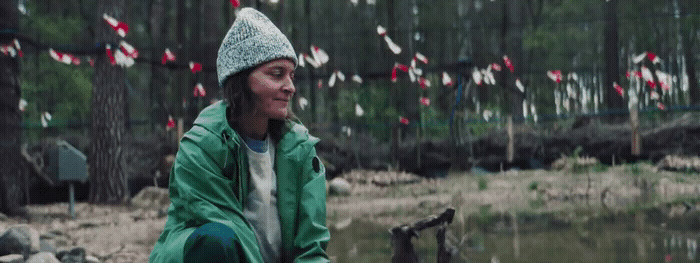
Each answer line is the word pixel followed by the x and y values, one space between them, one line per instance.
pixel 246 185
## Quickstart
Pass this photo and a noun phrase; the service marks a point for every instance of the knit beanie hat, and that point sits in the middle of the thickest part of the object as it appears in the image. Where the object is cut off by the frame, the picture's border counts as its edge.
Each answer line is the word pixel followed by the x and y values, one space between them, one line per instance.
pixel 252 40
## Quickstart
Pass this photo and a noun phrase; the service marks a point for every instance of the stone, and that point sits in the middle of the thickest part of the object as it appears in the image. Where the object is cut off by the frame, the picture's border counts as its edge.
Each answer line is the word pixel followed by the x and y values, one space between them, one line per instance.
pixel 3 217
pixel 12 258
pixel 91 259
pixel 339 186
pixel 47 245
pixel 75 255
pixel 151 197
pixel 19 239
pixel 43 257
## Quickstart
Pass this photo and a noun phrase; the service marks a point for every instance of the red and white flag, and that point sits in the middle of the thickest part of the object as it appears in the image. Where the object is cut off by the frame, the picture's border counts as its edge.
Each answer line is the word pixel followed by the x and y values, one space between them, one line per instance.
pixel 128 50
pixel 199 90
pixel 496 66
pixel 520 85
pixel 403 120
pixel 554 75
pixel 120 27
pixel 357 78
pixel 424 83
pixel 653 57
pixel 421 57
pixel 319 55
pixel 446 80
pixel 171 123
pixel 358 110
pixel 195 67
pixel 45 118
pixel 425 101
pixel 476 76
pixel 508 63
pixel 397 66
pixel 638 58
pixel 8 50
pixel 619 89
pixel 64 57
pixel 19 48
pixel 393 46
pixel 22 104
pixel 661 106
pixel 331 80
pixel 110 55
pixel 167 56
pixel 303 102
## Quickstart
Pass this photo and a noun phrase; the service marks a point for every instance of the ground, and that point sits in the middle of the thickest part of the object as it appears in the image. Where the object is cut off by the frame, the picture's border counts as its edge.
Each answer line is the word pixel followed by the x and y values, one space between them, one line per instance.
pixel 127 234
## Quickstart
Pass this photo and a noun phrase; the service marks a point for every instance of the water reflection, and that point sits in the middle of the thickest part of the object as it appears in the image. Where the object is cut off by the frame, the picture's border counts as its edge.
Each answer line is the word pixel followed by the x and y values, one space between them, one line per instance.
pixel 532 240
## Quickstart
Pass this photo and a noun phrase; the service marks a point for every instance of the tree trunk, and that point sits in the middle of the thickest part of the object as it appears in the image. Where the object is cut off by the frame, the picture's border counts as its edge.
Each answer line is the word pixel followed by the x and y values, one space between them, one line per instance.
pixel 159 75
pixel 108 182
pixel 512 46
pixel 688 37
pixel 611 59
pixel 11 166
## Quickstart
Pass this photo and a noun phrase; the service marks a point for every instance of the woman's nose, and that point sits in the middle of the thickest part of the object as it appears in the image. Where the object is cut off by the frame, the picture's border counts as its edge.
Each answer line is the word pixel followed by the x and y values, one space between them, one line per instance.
pixel 289 86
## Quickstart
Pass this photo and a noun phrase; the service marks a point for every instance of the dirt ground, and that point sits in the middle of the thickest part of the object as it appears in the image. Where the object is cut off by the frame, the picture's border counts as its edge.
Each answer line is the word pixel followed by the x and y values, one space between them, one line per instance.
pixel 127 234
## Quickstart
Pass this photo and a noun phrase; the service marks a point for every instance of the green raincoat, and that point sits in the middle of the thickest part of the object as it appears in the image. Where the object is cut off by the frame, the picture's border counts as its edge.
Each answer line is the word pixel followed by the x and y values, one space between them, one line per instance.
pixel 209 183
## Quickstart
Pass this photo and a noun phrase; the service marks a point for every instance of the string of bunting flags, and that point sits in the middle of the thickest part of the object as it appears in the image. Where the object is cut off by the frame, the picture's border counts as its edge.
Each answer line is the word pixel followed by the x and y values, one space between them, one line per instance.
pixel 125 55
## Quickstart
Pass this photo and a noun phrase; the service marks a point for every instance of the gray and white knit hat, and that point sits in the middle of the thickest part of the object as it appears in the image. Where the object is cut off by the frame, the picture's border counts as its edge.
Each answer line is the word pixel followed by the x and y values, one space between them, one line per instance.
pixel 252 40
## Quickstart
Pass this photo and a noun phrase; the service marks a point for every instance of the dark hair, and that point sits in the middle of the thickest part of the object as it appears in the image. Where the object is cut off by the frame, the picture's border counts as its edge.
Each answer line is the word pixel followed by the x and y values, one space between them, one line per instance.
pixel 240 98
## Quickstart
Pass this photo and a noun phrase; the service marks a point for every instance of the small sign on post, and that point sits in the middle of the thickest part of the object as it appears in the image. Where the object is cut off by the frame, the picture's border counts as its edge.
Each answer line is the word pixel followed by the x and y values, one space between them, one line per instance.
pixel 68 164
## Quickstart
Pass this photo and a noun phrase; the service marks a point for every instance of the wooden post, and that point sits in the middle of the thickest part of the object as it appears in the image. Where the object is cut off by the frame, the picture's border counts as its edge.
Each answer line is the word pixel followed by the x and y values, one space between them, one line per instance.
pixel 180 131
pixel 636 137
pixel 510 149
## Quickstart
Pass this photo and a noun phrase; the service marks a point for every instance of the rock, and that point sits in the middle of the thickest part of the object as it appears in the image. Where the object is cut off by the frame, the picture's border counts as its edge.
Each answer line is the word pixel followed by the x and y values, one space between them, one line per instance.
pixel 339 186
pixel 43 257
pixel 75 255
pixel 47 245
pixel 151 197
pixel 91 259
pixel 19 239
pixel 3 217
pixel 12 258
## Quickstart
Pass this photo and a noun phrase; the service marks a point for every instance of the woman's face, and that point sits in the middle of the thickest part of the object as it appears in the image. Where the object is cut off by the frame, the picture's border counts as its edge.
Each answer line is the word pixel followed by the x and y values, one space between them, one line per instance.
pixel 273 88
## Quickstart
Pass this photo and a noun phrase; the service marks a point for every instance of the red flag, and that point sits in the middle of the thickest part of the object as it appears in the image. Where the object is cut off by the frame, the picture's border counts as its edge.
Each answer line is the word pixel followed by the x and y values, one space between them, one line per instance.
pixel 403 120
pixel 393 74
pixel 19 48
pixel 424 83
pixel 108 49
pixel 402 67
pixel 661 106
pixel 496 66
pixel 128 50
pixel 199 90
pixel 171 122
pixel 446 80
pixel 235 3
pixel 195 67
pixel 425 101
pixel 508 63
pixel 120 27
pixel 653 58
pixel 555 75
pixel 167 56
pixel 421 57
pixel 619 89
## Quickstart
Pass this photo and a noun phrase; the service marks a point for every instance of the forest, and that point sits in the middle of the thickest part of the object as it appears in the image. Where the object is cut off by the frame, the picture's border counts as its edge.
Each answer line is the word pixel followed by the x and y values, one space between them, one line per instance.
pixel 411 78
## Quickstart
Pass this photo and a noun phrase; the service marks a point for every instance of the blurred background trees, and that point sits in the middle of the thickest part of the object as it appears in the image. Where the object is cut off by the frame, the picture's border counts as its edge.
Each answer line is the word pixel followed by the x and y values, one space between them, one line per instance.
pixel 593 43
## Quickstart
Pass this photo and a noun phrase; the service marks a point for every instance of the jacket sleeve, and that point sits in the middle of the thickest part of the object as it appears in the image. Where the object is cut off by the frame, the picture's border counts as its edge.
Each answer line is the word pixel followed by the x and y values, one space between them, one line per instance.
pixel 202 194
pixel 312 234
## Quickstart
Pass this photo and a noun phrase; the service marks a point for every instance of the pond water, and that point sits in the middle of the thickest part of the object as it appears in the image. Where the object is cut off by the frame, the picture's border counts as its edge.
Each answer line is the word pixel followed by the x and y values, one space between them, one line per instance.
pixel 628 239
